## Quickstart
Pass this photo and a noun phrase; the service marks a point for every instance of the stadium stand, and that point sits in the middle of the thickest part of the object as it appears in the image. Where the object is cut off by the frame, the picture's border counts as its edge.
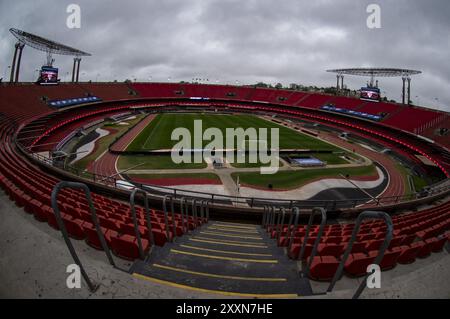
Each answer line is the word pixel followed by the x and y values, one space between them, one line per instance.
pixel 347 103
pixel 30 188
pixel 109 91
pixel 416 234
pixel 315 101
pixel 414 120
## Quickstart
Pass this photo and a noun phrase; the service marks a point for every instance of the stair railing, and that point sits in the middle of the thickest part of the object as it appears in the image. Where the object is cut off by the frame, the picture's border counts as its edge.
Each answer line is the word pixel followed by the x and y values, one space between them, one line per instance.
pixel 166 217
pixel 151 239
pixel 54 201
pixel 264 217
pixel 194 212
pixel 174 226
pixel 292 231
pixel 387 239
pixel 205 204
pixel 281 224
pixel 184 217
pixel 323 214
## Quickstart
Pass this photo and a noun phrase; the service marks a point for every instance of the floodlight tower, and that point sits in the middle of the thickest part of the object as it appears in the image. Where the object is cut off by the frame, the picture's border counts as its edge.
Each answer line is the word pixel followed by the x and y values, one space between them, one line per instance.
pixel 380 72
pixel 42 44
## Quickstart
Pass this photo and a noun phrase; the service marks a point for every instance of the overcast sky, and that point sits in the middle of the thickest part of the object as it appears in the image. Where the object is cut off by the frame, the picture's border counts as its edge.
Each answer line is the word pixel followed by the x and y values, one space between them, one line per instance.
pixel 287 41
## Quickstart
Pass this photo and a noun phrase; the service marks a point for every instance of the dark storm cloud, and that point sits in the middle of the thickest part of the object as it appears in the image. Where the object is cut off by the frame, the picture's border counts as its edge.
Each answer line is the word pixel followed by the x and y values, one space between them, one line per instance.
pixel 253 40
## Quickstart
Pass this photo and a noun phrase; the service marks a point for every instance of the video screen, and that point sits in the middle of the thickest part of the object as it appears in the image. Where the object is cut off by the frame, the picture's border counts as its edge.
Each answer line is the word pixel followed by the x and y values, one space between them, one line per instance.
pixel 370 94
pixel 49 76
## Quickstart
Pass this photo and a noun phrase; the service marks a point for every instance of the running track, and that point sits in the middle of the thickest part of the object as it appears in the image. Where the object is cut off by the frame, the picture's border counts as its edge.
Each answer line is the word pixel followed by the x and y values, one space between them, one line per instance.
pixel 105 165
pixel 396 186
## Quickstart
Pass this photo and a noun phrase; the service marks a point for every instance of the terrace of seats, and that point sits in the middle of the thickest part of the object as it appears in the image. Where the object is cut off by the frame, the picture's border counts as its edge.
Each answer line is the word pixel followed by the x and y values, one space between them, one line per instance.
pixel 416 235
pixel 419 119
pixel 108 91
pixel 347 103
pixel 435 133
pixel 315 101
pixel 413 119
pixel 30 188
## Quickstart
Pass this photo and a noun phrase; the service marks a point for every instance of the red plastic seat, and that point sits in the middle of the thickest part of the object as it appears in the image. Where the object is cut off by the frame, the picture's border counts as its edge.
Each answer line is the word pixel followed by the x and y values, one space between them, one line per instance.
pixel 389 260
pixel 92 237
pixel 356 264
pixel 323 267
pixel 74 227
pixel 424 249
pixel 330 250
pixel 126 246
pixel 436 244
pixel 408 254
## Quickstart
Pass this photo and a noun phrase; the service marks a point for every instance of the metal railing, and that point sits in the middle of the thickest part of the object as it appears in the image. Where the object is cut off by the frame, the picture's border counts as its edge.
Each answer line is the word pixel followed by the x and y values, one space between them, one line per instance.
pixel 387 239
pixel 54 200
pixel 322 213
pixel 151 239
pixel 166 218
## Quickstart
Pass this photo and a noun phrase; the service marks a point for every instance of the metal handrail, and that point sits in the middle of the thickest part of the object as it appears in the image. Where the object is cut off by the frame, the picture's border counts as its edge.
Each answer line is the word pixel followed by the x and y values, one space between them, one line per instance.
pixel 174 226
pixel 265 215
pixel 186 205
pixel 277 214
pixel 323 214
pixel 54 200
pixel 148 218
pixel 194 211
pixel 294 228
pixel 205 205
pixel 166 218
pixel 183 224
pixel 273 212
pixel 387 239
pixel 201 211
pixel 281 224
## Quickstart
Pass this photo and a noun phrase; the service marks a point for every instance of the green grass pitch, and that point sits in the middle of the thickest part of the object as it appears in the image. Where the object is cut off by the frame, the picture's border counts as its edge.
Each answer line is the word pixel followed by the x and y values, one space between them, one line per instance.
pixel 157 135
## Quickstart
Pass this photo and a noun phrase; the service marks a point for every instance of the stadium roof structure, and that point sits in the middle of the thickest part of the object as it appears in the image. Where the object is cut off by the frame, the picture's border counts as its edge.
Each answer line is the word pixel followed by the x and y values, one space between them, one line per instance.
pixel 405 74
pixel 374 72
pixel 48 46
pixel 42 44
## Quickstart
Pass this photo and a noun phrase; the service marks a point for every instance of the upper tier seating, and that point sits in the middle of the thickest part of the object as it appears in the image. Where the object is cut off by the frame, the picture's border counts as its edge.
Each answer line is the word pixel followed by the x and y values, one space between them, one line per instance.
pixel 346 103
pixel 378 108
pixel 156 90
pixel 108 91
pixel 414 120
pixel 419 120
pixel 315 101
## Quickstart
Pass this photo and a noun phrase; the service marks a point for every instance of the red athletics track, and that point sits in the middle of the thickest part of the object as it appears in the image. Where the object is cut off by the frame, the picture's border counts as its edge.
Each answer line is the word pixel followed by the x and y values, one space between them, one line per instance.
pixel 396 186
pixel 105 165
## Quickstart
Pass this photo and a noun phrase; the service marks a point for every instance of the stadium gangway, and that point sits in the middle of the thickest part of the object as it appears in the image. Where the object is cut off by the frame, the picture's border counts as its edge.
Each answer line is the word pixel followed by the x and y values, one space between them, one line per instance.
pixel 387 240
pixel 149 222
pixel 54 199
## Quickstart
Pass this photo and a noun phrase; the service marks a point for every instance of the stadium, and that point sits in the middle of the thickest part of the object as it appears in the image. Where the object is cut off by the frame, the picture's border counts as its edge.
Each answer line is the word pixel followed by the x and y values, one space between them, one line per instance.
pixel 89 178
